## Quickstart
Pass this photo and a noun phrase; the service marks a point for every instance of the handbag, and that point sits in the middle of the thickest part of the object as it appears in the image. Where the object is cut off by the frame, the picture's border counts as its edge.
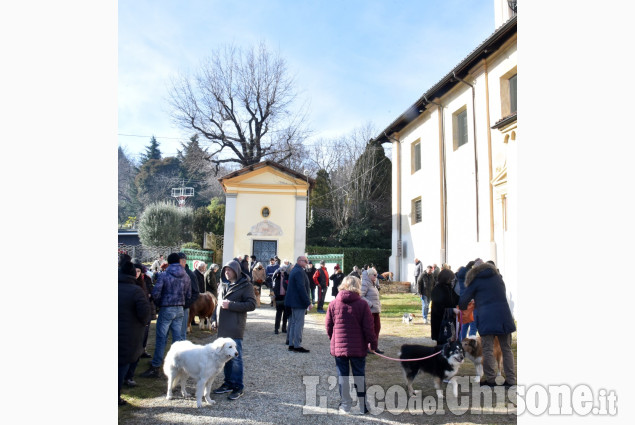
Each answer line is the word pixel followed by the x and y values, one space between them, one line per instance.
pixel 448 329
pixel 467 315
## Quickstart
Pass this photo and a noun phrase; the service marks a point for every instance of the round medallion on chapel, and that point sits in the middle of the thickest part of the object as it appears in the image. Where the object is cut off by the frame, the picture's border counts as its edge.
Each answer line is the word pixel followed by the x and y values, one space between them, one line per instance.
pixel 265 212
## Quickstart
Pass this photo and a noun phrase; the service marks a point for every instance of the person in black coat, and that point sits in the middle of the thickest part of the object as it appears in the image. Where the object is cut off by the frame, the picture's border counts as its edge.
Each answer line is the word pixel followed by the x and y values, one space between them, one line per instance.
pixel 134 315
pixel 280 281
pixel 442 297
pixel 310 271
pixel 337 278
pixel 144 282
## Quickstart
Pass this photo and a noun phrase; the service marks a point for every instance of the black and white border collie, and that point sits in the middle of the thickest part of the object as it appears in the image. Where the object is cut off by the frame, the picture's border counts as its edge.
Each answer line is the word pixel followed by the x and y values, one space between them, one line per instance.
pixel 441 367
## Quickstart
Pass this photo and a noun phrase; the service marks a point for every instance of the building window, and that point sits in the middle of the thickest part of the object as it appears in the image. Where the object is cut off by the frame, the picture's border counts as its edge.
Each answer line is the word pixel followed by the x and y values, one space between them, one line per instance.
pixel 459 124
pixel 416 211
pixel 508 83
pixel 512 94
pixel 416 156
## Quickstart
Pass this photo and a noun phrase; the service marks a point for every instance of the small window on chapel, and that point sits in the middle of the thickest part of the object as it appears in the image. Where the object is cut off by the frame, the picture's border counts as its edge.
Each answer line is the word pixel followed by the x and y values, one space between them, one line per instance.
pixel 265 212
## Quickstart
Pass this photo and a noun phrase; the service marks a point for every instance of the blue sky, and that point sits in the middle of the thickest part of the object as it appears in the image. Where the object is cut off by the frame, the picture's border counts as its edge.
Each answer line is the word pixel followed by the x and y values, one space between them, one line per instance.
pixel 354 62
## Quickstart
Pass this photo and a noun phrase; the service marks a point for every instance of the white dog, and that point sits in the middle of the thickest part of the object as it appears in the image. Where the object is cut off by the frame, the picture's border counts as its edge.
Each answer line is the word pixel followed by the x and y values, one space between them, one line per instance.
pixel 201 362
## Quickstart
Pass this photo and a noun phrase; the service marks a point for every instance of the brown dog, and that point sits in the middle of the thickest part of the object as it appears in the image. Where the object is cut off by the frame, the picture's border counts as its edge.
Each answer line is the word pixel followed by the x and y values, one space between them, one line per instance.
pixel 387 275
pixel 473 348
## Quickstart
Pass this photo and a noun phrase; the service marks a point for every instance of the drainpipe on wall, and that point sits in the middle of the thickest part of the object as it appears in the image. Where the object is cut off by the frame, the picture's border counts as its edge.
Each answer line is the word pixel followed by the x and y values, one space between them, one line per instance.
pixel 492 242
pixel 399 241
pixel 475 155
pixel 443 186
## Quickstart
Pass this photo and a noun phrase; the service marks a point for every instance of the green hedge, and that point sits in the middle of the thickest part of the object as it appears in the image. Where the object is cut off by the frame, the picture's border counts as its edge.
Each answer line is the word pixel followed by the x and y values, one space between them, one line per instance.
pixel 356 256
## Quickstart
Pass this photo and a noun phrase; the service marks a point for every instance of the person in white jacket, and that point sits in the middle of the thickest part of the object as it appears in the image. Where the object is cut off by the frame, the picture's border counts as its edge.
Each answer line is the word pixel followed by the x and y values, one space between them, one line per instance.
pixel 370 293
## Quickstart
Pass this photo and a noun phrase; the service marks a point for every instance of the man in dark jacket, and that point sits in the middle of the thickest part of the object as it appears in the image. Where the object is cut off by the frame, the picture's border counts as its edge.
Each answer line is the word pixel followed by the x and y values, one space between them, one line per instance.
pixel 425 283
pixel 298 299
pixel 310 271
pixel 237 298
pixel 194 292
pixel 485 286
pixel 134 315
pixel 171 292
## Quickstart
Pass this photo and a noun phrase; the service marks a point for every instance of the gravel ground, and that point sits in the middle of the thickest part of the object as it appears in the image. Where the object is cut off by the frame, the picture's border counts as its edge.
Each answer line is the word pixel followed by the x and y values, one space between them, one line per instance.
pixel 274 388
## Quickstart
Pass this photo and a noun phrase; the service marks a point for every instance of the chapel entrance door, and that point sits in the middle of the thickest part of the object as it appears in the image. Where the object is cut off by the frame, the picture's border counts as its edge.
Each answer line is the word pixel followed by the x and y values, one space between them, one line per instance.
pixel 264 250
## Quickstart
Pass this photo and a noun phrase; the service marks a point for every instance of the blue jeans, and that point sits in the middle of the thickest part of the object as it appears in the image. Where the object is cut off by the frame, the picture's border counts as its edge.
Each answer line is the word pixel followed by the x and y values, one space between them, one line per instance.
pixel 358 365
pixel 186 315
pixel 296 326
pixel 123 369
pixel 471 326
pixel 169 319
pixel 234 368
pixel 425 306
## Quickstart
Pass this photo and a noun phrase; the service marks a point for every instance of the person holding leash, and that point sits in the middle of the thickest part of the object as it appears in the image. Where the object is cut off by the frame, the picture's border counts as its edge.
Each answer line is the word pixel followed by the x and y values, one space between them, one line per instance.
pixel 236 299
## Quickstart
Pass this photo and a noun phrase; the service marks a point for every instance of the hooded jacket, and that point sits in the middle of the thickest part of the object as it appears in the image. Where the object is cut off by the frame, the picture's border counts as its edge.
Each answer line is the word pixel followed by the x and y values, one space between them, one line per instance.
pixel 233 319
pixel 173 287
pixel 134 315
pixel 370 293
pixel 485 286
pixel 349 325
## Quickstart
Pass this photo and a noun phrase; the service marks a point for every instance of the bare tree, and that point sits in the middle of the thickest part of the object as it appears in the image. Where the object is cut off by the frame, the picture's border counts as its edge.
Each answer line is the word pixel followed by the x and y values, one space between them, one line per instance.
pixel 242 102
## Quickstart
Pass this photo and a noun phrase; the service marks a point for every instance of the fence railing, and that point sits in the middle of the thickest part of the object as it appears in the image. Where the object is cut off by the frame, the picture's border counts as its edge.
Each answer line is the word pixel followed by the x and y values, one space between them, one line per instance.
pixel 147 254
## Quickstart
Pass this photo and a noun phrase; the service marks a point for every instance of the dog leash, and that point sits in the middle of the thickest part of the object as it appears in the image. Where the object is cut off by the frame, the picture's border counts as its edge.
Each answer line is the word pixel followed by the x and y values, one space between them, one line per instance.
pixel 407 360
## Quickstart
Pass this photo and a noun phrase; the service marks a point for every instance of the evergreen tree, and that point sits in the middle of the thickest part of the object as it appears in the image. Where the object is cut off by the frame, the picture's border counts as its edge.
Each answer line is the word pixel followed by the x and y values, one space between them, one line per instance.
pixel 156 178
pixel 196 171
pixel 152 151
pixel 127 203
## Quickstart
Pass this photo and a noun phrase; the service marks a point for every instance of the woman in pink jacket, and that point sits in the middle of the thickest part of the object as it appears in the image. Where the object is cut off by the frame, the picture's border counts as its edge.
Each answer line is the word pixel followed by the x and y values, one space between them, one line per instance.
pixel 349 325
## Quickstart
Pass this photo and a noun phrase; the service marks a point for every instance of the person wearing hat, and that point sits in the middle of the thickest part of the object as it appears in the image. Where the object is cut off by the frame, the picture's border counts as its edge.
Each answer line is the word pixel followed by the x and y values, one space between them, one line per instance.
pixel 321 279
pixel 170 293
pixel 133 315
pixel 236 299
pixel 193 289
pixel 337 278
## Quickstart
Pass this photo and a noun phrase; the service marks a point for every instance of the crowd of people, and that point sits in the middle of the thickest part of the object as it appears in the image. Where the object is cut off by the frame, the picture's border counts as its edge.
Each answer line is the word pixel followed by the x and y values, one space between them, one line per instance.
pixel 352 318
pixel 478 282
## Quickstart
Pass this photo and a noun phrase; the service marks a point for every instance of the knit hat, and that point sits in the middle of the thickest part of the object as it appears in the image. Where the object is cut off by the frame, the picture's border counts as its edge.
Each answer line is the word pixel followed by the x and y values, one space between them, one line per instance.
pixel 174 258
pixel 128 268
pixel 140 267
pixel 322 263
pixel 337 267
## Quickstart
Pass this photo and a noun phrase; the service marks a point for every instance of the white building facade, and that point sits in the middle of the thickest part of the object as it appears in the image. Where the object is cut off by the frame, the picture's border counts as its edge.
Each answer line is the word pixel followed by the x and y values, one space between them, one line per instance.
pixel 454 165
